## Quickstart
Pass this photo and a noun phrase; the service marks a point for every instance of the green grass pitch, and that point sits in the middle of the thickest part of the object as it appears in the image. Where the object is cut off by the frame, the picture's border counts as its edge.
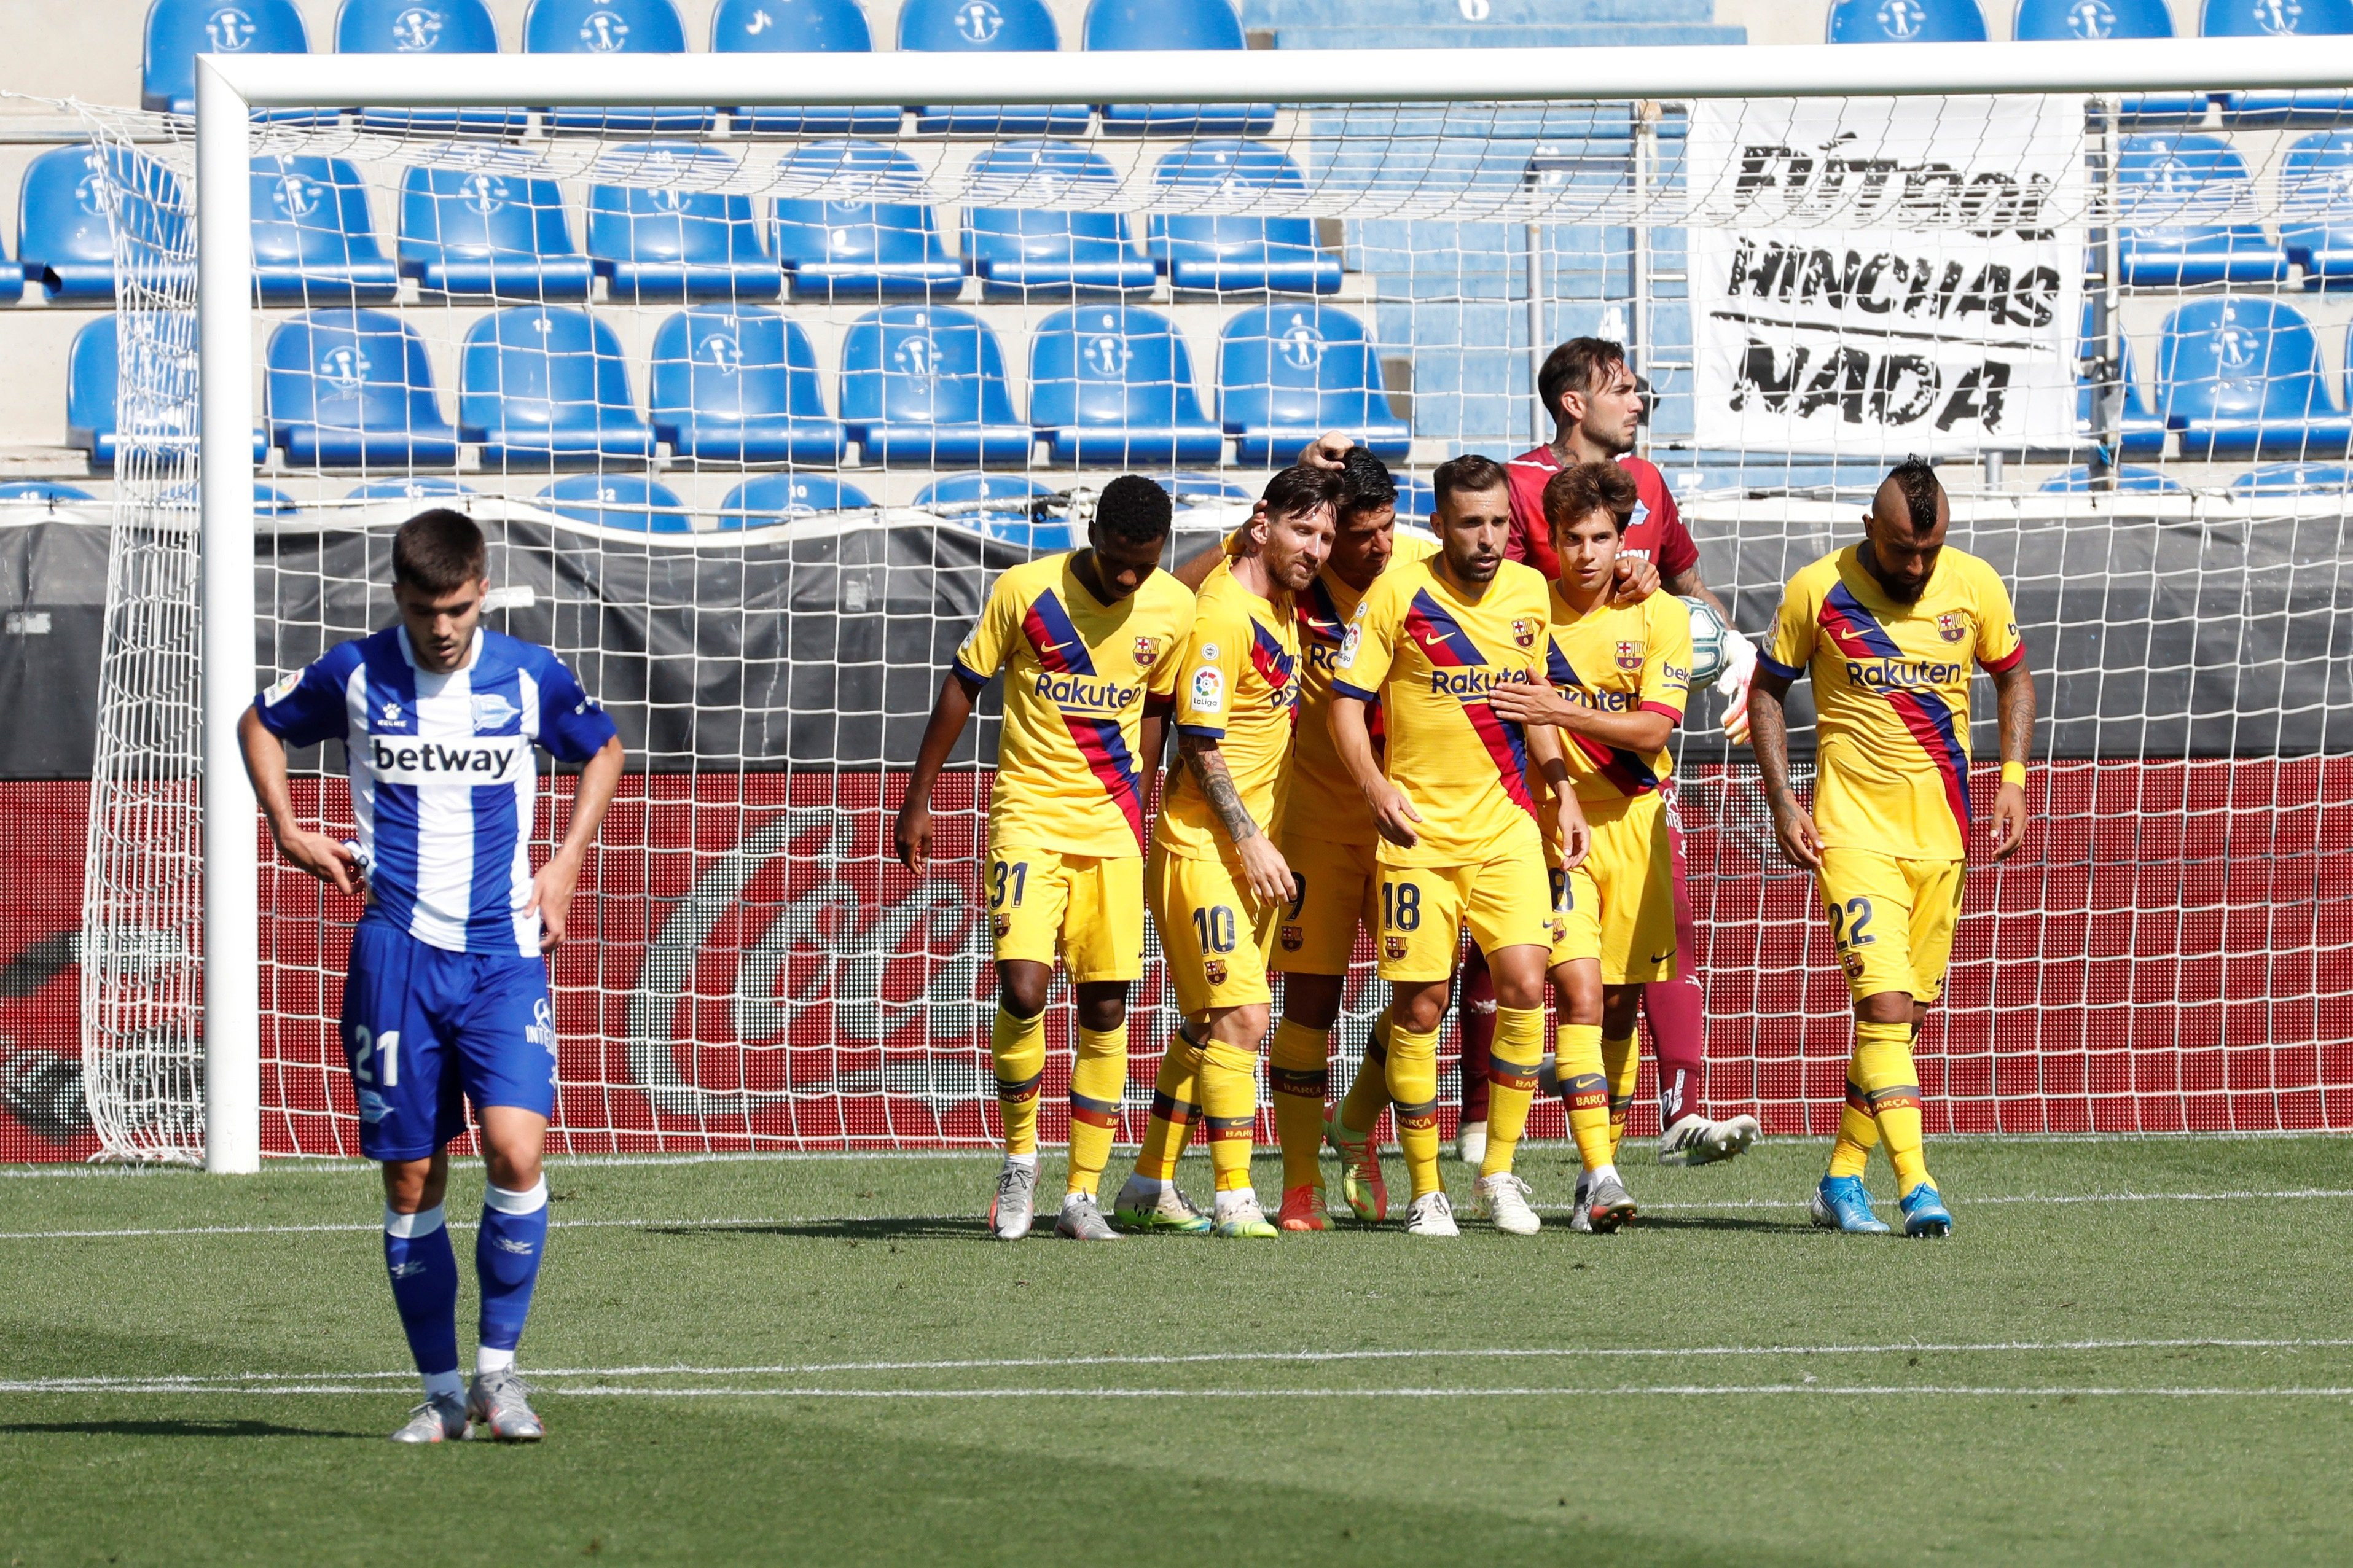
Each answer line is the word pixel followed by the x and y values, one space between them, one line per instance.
pixel 826 1361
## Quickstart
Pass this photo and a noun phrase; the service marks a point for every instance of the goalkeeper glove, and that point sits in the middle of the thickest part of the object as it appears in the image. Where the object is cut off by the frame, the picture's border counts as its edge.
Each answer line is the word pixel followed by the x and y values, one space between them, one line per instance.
pixel 1739 670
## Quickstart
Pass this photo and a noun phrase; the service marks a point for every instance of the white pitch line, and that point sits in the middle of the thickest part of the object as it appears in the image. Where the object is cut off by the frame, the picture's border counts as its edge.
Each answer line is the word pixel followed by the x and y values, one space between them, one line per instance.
pixel 2294 1194
pixel 228 1382
pixel 1678 1391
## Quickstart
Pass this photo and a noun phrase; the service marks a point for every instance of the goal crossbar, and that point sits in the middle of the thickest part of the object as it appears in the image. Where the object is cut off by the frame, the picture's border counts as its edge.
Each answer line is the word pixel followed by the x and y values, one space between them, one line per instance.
pixel 231 87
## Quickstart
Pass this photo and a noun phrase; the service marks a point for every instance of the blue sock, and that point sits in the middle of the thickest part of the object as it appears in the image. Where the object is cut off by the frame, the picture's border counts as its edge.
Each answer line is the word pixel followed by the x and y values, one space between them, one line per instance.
pixel 425 1288
pixel 506 1257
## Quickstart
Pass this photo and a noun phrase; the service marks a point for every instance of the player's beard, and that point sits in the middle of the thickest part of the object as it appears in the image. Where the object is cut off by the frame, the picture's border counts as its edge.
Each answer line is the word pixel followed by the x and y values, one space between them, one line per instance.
pixel 1611 441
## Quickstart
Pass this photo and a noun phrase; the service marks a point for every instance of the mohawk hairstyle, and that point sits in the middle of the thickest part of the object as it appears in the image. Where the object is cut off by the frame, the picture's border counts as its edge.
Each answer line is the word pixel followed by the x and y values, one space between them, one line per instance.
pixel 1922 491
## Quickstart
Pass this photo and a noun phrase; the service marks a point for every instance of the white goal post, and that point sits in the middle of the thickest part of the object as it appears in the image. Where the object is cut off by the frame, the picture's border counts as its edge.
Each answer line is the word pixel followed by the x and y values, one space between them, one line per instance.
pixel 231 88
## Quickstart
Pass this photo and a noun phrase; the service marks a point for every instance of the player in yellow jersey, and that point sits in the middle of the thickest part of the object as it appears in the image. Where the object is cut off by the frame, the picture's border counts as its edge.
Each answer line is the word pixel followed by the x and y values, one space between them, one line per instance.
pixel 1452 801
pixel 1088 641
pixel 1620 677
pixel 1216 882
pixel 1892 630
pixel 1328 841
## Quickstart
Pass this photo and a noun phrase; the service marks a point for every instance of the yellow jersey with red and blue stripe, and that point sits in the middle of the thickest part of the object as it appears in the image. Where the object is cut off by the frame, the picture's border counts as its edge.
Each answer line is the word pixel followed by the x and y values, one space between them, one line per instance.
pixel 1891 696
pixel 1619 659
pixel 1078 673
pixel 1429 657
pixel 1324 802
pixel 1237 685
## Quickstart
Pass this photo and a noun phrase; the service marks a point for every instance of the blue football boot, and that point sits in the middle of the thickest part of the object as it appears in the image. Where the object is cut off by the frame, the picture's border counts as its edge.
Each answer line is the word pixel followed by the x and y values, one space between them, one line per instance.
pixel 1925 1213
pixel 1841 1202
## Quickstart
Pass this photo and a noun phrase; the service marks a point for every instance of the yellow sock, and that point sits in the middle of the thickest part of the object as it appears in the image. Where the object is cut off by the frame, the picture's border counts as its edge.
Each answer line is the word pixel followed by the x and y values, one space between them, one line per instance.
pixel 1018 1046
pixel 1577 1050
pixel 1298 1077
pixel 1176 1106
pixel 1512 1062
pixel 1413 1089
pixel 1622 1062
pixel 1858 1134
pixel 1098 1082
pixel 1882 1066
pixel 1369 1092
pixel 1229 1106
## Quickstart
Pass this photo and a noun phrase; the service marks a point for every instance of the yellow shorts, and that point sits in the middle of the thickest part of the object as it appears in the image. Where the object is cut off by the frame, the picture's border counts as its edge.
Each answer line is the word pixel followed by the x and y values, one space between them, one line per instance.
pixel 1619 905
pixel 1892 920
pixel 1339 889
pixel 1506 901
pixel 1087 910
pixel 1217 941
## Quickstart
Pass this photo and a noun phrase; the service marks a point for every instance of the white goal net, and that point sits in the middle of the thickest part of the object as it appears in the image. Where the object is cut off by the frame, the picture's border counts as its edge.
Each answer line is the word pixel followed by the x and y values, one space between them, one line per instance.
pixel 753 406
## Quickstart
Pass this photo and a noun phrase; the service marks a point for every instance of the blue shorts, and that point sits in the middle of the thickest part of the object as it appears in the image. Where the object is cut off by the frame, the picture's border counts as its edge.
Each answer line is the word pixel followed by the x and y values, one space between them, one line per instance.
pixel 425 1029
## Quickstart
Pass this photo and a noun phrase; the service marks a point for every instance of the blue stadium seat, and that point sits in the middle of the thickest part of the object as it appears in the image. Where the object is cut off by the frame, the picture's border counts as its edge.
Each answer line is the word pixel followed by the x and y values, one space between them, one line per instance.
pixel 2078 481
pixel 630 502
pixel 90 381
pixel 2242 378
pixel 314 240
pixel 180 30
pixel 2280 19
pixel 2294 478
pixel 2316 186
pixel 658 242
pixel 799 26
pixel 424 28
pixel 2188 215
pixel 1003 507
pixel 925 385
pixel 1112 385
pixel 1238 255
pixel 1173 25
pixel 611 27
pixel 271 502
pixel 740 386
pixel 870 245
pixel 2141 434
pixel 63 240
pixel 414 487
pixel 480 232
pixel 988 27
pixel 1017 251
pixel 354 389
pixel 2059 21
pixel 44 492
pixel 1416 500
pixel 1286 373
pixel 779 498
pixel 1906 22
pixel 541 386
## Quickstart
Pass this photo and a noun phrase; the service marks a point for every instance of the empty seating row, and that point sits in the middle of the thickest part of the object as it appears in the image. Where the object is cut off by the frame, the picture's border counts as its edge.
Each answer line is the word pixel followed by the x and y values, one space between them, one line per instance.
pixel 2189 213
pixel 179 30
pixel 1961 21
pixel 549 386
pixel 484 232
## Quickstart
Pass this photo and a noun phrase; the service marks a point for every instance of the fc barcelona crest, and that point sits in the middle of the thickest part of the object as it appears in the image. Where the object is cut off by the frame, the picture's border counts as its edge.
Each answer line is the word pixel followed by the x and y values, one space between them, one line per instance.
pixel 1146 650
pixel 1215 968
pixel 1393 948
pixel 998 925
pixel 1293 939
pixel 1630 655
pixel 1952 626
pixel 1524 632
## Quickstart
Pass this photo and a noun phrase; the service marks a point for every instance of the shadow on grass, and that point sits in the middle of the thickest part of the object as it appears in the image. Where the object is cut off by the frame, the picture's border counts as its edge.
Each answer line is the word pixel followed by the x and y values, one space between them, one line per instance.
pixel 915 1228
pixel 171 1429
pixel 1724 1222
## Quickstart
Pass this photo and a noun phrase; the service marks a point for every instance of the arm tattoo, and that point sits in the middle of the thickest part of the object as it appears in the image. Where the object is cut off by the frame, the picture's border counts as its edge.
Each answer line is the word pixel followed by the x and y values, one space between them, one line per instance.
pixel 2015 688
pixel 1769 734
pixel 1208 765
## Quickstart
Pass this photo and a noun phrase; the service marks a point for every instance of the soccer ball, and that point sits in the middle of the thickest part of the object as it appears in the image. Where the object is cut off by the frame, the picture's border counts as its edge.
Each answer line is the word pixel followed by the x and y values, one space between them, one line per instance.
pixel 1707 641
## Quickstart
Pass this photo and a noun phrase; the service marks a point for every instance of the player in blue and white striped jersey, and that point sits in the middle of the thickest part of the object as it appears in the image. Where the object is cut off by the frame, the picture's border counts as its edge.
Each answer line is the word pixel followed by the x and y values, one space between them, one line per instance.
pixel 444 995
